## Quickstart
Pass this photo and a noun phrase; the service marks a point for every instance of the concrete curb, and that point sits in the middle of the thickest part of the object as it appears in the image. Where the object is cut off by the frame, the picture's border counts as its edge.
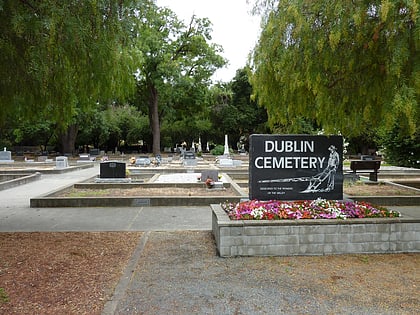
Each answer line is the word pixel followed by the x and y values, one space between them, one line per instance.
pixel 126 278
pixel 389 200
pixel 24 179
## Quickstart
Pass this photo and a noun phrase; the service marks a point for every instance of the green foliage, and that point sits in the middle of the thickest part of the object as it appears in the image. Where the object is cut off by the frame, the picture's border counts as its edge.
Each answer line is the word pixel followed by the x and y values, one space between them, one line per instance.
pixel 65 56
pixel 234 112
pixel 347 66
pixel 178 64
pixel 400 148
pixel 218 150
pixel 4 298
pixel 37 133
pixel 124 125
pixel 187 129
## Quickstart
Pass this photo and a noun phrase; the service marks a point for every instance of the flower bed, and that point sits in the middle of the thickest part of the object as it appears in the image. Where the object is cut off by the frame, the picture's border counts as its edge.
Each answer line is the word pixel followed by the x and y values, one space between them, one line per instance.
pixel 307 209
pixel 319 227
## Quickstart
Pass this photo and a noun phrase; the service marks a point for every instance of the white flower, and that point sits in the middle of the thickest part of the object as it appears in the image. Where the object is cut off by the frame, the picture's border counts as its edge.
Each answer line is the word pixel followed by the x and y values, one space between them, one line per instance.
pixel 258 213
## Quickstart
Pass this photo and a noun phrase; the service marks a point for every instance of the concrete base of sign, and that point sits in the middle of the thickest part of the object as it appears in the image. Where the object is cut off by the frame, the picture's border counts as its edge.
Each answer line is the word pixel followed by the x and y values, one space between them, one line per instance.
pixel 313 237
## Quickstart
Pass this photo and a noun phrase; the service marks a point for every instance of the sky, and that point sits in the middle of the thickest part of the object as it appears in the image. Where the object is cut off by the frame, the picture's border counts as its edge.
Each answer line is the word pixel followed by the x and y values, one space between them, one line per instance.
pixel 233 28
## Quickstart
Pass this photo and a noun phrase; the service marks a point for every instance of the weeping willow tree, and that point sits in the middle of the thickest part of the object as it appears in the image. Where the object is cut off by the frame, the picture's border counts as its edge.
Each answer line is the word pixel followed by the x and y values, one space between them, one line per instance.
pixel 346 65
pixel 62 57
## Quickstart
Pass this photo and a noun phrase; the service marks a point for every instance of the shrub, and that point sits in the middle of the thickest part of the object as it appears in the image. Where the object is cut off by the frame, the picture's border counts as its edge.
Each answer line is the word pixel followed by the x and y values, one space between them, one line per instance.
pixel 218 150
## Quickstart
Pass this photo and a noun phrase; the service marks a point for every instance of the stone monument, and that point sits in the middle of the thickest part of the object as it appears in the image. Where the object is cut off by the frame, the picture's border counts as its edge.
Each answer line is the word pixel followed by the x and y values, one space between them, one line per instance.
pixel 6 156
pixel 295 167
pixel 61 162
pixel 226 151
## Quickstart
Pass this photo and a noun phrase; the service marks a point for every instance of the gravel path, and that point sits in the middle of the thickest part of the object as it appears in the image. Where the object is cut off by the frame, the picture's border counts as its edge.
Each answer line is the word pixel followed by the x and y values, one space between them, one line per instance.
pixel 180 273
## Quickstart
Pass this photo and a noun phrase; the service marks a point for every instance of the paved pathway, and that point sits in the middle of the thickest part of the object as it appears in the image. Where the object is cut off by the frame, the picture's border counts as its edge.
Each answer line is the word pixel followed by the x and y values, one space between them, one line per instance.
pixel 16 215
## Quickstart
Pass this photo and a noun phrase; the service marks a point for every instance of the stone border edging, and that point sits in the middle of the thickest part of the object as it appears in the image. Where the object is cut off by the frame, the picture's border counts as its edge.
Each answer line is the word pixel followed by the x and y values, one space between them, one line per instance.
pixel 50 201
pixel 119 202
pixel 389 200
pixel 20 180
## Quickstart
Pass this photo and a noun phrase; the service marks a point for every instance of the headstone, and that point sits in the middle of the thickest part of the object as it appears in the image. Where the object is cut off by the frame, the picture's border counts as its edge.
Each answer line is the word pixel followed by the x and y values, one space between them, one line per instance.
pixel 188 155
pixel 85 157
pixel 42 158
pixel 189 159
pixel 367 158
pixel 61 162
pixel 94 152
pixel 225 162
pixel 190 162
pixel 295 167
pixel 212 174
pixel 112 169
pixel 237 163
pixel 6 156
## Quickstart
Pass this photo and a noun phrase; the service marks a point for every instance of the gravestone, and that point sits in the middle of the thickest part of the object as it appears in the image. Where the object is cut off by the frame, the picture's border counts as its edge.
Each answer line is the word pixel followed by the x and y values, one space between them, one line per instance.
pixel 189 159
pixel 237 163
pixel 6 156
pixel 112 169
pixel 85 157
pixel 295 167
pixel 212 174
pixel 94 152
pixel 225 161
pixel 45 159
pixel 42 158
pixel 61 162
pixel 367 158
pixel 188 155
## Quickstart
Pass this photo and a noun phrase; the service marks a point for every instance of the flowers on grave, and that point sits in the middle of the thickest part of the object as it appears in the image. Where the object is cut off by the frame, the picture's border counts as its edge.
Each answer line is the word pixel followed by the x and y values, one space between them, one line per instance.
pixel 305 209
pixel 209 183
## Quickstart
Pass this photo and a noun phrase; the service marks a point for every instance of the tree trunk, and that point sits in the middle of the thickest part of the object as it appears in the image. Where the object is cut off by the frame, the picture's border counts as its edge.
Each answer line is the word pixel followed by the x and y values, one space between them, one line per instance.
pixel 67 139
pixel 154 118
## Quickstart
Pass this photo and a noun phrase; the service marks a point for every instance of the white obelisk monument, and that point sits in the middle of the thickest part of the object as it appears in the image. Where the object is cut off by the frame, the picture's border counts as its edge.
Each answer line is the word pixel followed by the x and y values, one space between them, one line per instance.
pixel 226 152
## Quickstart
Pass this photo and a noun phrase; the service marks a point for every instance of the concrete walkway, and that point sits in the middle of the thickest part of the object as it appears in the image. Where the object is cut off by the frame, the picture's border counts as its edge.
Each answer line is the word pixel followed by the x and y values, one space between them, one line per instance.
pixel 16 215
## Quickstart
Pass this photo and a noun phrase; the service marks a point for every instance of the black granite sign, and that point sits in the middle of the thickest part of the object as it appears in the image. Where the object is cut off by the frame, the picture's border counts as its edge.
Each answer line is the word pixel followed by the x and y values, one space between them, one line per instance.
pixel 295 167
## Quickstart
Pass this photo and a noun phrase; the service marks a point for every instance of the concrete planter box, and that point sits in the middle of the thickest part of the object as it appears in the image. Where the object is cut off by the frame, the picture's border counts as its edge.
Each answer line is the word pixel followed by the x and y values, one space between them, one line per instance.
pixel 313 237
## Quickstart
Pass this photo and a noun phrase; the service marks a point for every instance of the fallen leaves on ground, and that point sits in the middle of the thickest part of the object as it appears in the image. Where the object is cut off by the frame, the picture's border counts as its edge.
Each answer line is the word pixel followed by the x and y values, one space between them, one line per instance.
pixel 61 273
